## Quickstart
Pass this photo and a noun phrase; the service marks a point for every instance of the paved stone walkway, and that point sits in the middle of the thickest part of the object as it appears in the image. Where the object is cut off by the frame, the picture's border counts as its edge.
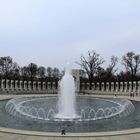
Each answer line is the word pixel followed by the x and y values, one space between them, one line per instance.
pixel 8 136
pixel 135 133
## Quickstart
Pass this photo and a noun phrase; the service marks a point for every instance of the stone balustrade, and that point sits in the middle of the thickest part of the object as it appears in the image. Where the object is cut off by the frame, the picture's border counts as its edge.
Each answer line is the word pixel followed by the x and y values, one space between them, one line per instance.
pixel 112 87
pixel 27 86
pixel 51 87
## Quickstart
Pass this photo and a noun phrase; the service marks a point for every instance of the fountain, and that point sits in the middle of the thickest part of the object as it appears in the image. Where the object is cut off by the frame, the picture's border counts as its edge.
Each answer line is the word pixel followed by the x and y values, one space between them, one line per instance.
pixel 68 109
pixel 66 102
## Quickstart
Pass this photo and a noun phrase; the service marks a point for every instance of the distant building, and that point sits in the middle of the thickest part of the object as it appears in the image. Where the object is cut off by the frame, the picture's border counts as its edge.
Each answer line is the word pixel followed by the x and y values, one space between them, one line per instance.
pixel 77 73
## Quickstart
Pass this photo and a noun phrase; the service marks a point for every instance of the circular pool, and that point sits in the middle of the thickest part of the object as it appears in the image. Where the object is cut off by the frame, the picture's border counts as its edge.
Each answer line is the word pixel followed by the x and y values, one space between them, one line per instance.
pixel 95 114
pixel 88 109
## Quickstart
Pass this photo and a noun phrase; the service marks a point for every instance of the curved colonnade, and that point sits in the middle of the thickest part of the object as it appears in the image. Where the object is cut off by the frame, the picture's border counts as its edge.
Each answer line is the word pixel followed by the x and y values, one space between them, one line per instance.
pixel 52 87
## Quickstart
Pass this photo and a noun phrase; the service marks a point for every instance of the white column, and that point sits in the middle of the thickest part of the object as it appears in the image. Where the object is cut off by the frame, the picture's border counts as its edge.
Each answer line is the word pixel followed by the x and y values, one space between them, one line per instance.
pixel 48 86
pixel 29 85
pixel 93 86
pixel 77 83
pixel 7 84
pixel 102 86
pixel 121 86
pixel 12 85
pixel 39 85
pixel 138 87
pixel 107 86
pixel 16 85
pixel 54 87
pixel 130 86
pixel 43 86
pixel 125 86
pixel 97 86
pixel 2 84
pixel 117 86
pixel 25 85
pixel 134 87
pixel 112 86
pixel 34 85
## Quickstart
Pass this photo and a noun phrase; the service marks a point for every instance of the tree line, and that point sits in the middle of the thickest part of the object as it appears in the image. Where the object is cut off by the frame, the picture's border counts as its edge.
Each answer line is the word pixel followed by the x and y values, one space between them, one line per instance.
pixel 92 65
pixel 11 70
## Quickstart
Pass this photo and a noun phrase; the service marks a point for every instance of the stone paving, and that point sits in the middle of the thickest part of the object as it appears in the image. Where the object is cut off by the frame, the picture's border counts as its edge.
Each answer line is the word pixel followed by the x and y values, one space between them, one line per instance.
pixel 6 136
pixel 12 134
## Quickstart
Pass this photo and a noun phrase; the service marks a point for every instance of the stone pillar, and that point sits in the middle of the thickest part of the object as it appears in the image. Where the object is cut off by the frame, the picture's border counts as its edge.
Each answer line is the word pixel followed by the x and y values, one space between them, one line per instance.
pixel 16 84
pixel 117 86
pixel 125 86
pixel 7 85
pixel 34 85
pixel 97 86
pixel 77 84
pixel 2 84
pixel 112 86
pixel 44 86
pixel 12 85
pixel 93 86
pixel 130 86
pixel 107 86
pixel 54 87
pixel 103 86
pixel 121 86
pixel 20 85
pixel 134 87
pixel 25 85
pixel 39 85
pixel 48 86
pixel 29 85
pixel 138 87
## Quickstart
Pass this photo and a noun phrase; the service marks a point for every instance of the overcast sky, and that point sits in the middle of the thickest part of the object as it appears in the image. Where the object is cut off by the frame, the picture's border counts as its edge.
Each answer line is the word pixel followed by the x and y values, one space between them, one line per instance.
pixel 52 32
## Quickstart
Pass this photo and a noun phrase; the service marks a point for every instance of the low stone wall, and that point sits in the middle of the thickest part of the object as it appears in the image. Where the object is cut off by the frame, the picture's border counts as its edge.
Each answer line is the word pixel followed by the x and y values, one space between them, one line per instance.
pixel 112 87
pixel 22 87
pixel 46 87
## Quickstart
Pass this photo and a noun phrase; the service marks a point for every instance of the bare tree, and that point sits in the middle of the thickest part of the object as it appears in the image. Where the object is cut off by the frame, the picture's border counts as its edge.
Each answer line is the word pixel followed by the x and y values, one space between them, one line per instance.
pixel 49 71
pixel 24 73
pixel 114 61
pixel 6 65
pixel 15 71
pixel 131 61
pixel 108 73
pixel 56 72
pixel 32 71
pixel 41 72
pixel 110 70
pixel 90 64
